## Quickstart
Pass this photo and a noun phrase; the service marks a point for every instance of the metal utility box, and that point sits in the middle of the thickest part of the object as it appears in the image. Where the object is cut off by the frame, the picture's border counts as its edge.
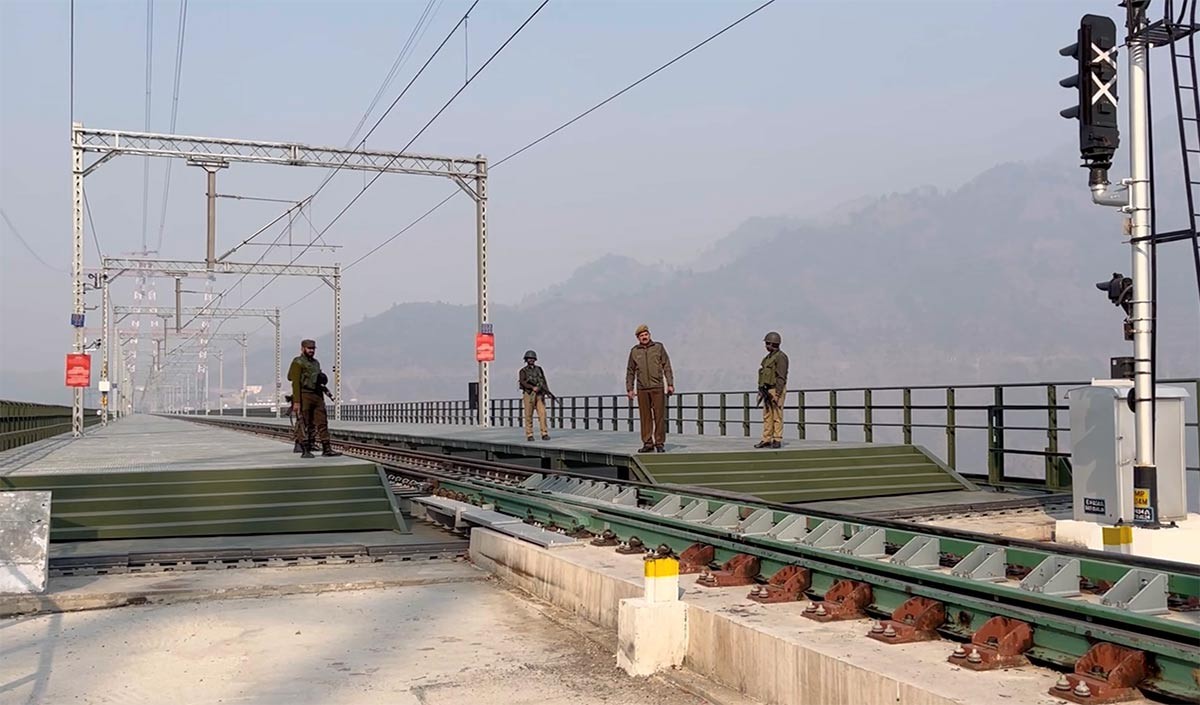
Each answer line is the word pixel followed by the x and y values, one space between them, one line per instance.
pixel 1103 448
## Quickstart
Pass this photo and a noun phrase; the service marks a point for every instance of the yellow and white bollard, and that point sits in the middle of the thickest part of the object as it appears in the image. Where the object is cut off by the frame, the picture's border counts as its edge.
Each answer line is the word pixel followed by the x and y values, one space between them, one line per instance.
pixel 652 630
pixel 662 579
pixel 1118 539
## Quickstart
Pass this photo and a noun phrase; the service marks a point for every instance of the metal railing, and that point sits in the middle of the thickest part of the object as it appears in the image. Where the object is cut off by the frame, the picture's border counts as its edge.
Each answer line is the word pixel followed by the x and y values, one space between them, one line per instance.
pixel 25 422
pixel 1012 434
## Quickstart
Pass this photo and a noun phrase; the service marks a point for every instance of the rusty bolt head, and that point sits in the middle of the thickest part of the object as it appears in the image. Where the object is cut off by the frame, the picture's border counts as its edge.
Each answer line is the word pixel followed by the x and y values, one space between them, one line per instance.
pixel 1062 683
pixel 1082 690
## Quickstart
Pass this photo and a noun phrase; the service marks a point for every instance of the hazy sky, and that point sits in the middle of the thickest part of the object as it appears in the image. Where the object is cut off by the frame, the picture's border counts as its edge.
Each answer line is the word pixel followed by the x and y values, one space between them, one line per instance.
pixel 802 107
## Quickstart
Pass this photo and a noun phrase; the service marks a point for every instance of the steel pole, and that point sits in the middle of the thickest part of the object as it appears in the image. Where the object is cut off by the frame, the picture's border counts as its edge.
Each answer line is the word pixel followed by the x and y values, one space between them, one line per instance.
pixel 337 345
pixel 1139 231
pixel 278 353
pixel 105 324
pixel 77 265
pixel 243 376
pixel 178 305
pixel 207 398
pixel 221 382
pixel 481 266
pixel 211 257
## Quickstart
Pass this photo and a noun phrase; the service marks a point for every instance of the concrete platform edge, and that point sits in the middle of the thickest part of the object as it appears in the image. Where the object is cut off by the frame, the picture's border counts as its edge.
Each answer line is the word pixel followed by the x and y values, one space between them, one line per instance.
pixel 82 600
pixel 761 661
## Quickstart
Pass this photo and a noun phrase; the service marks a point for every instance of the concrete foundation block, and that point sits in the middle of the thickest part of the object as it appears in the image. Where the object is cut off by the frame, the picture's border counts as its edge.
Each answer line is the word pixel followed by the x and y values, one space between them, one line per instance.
pixel 651 636
pixel 24 541
pixel 1179 543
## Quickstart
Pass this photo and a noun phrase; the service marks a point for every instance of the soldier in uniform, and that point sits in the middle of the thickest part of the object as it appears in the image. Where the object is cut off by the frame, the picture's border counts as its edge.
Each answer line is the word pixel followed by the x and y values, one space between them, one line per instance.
pixel 650 367
pixel 534 388
pixel 772 388
pixel 308 402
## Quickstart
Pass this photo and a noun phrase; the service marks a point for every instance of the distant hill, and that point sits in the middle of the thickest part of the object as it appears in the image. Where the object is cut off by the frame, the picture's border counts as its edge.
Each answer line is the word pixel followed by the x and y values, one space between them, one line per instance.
pixel 992 281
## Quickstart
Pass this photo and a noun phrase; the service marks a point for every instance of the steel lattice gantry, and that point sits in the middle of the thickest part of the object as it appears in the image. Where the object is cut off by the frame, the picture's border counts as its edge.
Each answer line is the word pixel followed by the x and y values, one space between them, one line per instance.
pixel 112 268
pixel 469 174
pixel 271 314
pixel 166 361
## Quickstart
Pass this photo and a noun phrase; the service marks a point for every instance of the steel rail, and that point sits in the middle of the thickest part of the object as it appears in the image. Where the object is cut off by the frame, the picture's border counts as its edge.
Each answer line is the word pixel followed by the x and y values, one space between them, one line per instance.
pixel 1067 619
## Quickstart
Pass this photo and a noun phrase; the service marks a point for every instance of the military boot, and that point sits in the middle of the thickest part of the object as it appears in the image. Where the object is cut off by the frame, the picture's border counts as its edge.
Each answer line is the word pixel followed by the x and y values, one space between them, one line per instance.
pixel 297 448
pixel 327 450
pixel 307 451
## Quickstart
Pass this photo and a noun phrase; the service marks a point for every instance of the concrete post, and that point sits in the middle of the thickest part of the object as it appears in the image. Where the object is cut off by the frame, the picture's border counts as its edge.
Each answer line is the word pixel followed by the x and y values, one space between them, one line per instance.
pixel 652 630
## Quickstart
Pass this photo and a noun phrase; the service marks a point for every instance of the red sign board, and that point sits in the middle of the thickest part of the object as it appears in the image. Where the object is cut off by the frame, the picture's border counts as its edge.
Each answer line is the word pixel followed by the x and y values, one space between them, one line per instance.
pixel 79 370
pixel 485 347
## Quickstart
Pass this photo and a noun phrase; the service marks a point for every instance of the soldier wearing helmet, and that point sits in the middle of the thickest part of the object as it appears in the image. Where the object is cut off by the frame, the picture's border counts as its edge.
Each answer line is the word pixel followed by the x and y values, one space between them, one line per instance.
pixel 772 389
pixel 534 389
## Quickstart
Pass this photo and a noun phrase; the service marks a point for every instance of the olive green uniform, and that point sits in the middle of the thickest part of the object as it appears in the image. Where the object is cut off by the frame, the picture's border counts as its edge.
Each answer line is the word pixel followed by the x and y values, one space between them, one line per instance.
pixel 772 382
pixel 649 367
pixel 313 421
pixel 533 377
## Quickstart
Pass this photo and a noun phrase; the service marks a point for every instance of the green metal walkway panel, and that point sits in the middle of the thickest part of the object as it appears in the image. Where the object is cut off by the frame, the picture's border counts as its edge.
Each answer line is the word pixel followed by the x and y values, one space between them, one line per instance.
pixel 229 502
pixel 808 474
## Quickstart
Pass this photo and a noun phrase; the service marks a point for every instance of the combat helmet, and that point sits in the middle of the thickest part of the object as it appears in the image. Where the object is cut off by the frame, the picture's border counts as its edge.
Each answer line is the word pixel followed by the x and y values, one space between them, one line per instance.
pixel 772 338
pixel 530 355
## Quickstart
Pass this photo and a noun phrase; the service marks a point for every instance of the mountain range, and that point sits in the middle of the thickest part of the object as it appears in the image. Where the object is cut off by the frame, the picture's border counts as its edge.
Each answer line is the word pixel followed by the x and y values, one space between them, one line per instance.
pixel 993 281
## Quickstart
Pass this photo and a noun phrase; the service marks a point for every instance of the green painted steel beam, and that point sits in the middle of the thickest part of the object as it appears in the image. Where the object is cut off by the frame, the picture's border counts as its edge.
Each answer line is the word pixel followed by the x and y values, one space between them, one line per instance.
pixel 364 521
pixel 1064 629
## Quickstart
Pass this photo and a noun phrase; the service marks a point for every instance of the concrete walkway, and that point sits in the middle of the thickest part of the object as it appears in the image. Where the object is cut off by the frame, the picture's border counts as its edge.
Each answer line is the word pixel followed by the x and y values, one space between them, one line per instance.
pixel 465 639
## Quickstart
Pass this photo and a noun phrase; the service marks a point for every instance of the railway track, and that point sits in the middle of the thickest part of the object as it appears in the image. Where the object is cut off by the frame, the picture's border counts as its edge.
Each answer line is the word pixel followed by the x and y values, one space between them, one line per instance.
pixel 1119 625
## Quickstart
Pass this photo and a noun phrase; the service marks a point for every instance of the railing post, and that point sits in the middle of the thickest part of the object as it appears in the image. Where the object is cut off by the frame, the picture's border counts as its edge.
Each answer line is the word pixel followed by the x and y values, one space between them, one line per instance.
pixel 700 414
pixel 629 409
pixel 833 415
pixel 868 417
pixel 907 423
pixel 721 423
pixel 573 399
pixel 951 430
pixel 1053 462
pixel 801 420
pixel 996 438
pixel 587 420
pixel 746 414
pixel 600 412
pixel 615 402
pixel 678 414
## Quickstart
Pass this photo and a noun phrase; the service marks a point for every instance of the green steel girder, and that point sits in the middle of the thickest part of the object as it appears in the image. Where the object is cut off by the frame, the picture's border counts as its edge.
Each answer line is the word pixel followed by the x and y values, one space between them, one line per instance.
pixel 1184 584
pixel 1064 629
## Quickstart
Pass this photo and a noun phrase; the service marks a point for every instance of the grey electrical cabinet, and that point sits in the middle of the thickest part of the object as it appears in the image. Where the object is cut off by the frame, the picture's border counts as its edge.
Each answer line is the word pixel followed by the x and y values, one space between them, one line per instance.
pixel 1103 449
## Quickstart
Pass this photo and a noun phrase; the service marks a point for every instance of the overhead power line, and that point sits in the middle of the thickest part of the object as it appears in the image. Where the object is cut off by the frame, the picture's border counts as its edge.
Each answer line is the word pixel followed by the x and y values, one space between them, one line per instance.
pixel 28 248
pixel 149 76
pixel 415 137
pixel 329 177
pixel 548 135
pixel 162 221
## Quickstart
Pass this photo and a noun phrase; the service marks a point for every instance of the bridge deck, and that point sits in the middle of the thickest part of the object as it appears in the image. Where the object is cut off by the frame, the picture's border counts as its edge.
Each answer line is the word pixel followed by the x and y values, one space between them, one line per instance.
pixel 801 471
pixel 152 477
pixel 143 443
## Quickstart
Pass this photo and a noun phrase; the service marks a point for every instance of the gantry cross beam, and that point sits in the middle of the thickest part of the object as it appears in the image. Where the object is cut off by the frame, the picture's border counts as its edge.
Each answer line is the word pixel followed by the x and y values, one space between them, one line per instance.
pixel 215 153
